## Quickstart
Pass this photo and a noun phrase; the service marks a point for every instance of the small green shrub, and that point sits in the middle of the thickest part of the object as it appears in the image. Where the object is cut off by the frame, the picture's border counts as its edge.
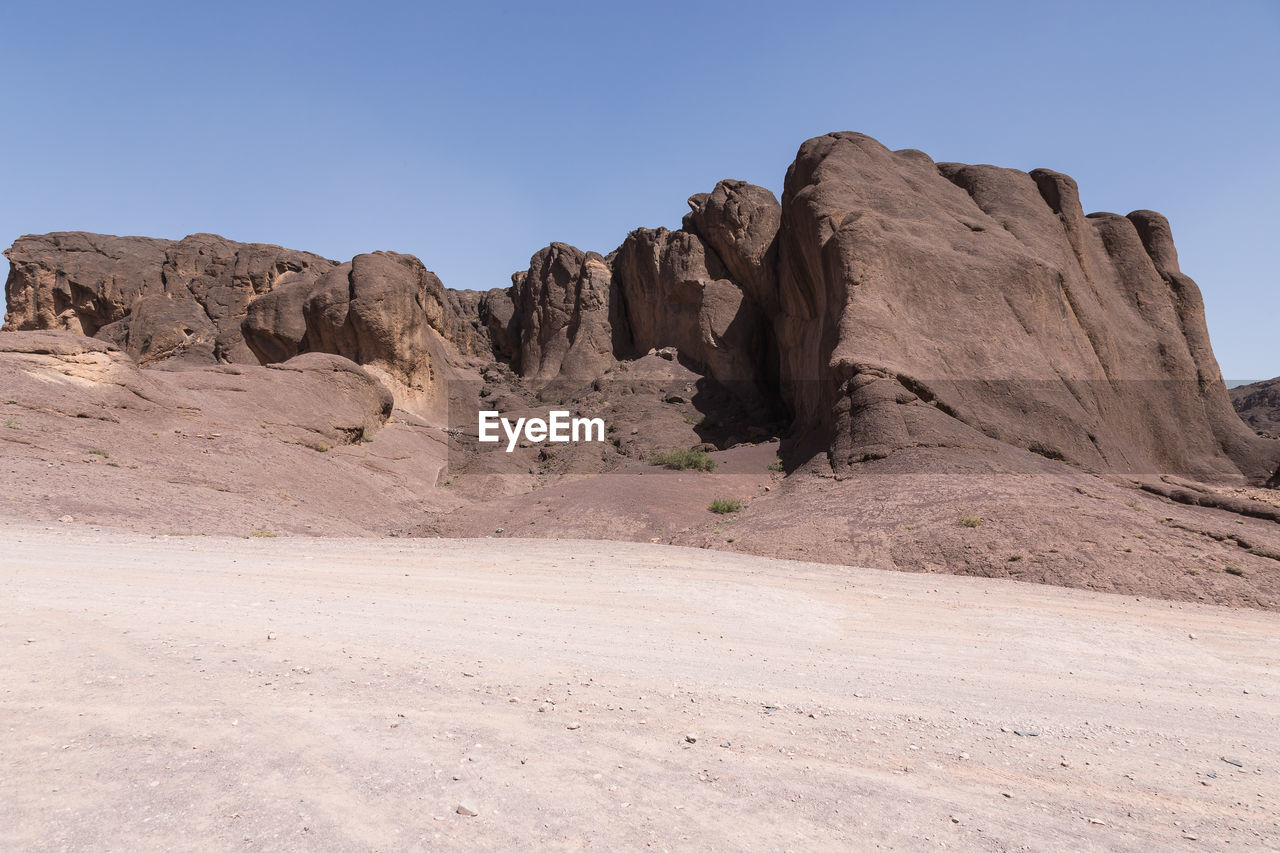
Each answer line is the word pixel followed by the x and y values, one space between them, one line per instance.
pixel 323 448
pixel 1259 552
pixel 724 506
pixel 113 464
pixel 970 521
pixel 776 465
pixel 99 452
pixel 1235 570
pixel 263 534
pixel 12 424
pixel 680 460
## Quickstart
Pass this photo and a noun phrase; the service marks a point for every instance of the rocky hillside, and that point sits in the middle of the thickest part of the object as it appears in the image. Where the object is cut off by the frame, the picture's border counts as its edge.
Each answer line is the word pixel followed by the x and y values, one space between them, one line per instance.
pixel 888 307
pixel 908 364
pixel 1259 406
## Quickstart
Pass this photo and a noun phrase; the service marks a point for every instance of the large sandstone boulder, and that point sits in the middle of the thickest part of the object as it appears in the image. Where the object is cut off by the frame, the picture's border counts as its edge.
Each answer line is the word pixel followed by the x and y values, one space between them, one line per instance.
pixel 156 299
pixel 951 306
pixel 384 311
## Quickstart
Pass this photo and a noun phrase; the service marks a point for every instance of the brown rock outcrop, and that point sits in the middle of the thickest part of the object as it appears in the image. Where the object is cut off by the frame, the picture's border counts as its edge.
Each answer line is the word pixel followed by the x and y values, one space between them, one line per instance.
pixel 740 222
pixel 560 310
pixel 113 287
pixel 951 306
pixel 309 399
pixel 675 292
pixel 385 311
pixel 1258 405
pixel 464 325
pixel 938 314
pixel 498 316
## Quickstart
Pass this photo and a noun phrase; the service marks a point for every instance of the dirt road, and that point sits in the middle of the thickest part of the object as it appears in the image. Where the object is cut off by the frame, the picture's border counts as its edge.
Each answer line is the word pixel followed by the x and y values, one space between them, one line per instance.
pixel 195 693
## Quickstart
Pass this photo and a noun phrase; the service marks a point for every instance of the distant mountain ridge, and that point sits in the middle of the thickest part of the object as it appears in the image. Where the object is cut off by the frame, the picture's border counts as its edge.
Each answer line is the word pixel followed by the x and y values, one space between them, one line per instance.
pixel 1259 405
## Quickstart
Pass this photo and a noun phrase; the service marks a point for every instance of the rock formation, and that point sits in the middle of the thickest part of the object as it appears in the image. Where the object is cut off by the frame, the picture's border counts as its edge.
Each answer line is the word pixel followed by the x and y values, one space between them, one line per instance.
pixel 310 399
pixel 907 313
pixel 384 310
pixel 1259 406
pixel 942 306
pixel 559 314
pixel 739 222
pixel 677 293
pixel 156 299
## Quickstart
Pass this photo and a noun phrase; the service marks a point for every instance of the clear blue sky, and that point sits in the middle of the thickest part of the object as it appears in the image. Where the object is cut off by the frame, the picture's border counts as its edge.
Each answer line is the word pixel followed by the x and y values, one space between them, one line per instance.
pixel 472 134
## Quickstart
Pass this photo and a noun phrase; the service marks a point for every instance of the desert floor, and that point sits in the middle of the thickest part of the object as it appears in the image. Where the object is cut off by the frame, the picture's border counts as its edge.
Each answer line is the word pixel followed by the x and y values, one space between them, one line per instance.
pixel 193 693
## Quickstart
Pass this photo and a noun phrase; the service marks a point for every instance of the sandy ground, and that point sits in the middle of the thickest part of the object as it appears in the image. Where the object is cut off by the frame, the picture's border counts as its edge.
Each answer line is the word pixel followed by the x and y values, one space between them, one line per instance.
pixel 194 693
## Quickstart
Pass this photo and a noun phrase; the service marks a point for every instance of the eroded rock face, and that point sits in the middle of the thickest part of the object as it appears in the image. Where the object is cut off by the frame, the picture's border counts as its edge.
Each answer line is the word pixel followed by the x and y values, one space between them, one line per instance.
pixel 384 310
pixel 160 327
pixel 676 293
pixel 195 299
pixel 498 315
pixel 1259 406
pixel 895 304
pixel 311 399
pixel 944 305
pixel 560 310
pixel 100 285
pixel 464 325
pixel 573 314
pixel 740 222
